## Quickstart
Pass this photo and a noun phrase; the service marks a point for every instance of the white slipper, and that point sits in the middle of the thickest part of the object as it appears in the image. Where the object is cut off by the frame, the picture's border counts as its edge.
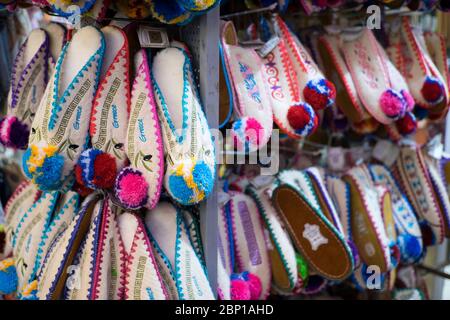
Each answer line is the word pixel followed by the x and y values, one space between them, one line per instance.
pixel 57 34
pixel 143 280
pixel 140 183
pixel 253 128
pixel 98 166
pixel 314 88
pixel 60 129
pixel 179 262
pixel 28 82
pixel 188 145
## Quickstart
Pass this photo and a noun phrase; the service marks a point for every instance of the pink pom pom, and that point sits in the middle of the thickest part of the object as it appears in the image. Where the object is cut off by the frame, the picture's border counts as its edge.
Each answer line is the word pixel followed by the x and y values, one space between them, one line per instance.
pixel 131 188
pixel 255 286
pixel 409 100
pixel 240 290
pixel 392 104
pixel 247 134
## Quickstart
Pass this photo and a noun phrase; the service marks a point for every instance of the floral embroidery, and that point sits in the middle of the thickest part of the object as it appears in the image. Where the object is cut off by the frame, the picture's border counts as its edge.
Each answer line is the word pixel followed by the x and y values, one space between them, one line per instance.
pixel 250 82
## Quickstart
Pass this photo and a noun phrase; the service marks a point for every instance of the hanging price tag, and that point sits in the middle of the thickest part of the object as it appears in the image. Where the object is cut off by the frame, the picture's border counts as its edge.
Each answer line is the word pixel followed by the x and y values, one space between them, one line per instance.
pixel 150 37
pixel 336 159
pixel 269 46
pixel 435 148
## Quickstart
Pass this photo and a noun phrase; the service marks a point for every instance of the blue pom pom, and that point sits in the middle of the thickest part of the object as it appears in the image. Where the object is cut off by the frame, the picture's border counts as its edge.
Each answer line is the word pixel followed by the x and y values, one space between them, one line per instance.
pixel 203 177
pixel 26 156
pixel 8 280
pixel 86 162
pixel 410 247
pixel 49 175
pixel 180 190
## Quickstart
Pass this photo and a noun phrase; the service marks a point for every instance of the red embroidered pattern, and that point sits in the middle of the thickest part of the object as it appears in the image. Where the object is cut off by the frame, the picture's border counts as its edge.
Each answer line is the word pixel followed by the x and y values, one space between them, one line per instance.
pixel 273 78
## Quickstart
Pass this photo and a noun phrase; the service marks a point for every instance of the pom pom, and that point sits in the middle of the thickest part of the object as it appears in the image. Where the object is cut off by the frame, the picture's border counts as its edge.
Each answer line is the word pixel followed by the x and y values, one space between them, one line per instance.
pixel 432 90
pixel 239 290
pixel 13 133
pixel 409 100
pixel 319 93
pixel 410 248
pixel 8 277
pixel 96 169
pixel 247 134
pixel 302 119
pixel 131 189
pixel 407 124
pixel 428 237
pixel 392 104
pixel 190 182
pixel 29 292
pixel 254 285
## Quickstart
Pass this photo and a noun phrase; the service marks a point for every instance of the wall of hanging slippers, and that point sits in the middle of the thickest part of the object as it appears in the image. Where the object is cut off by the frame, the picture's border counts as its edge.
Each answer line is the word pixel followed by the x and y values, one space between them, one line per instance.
pixel 115 184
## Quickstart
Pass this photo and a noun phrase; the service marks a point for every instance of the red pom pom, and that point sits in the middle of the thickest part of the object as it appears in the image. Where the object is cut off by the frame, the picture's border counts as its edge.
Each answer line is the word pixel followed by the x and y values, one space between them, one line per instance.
pixel 407 124
pixel 239 290
pixel 105 170
pixel 255 286
pixel 79 175
pixel 298 117
pixel 319 93
pixel 432 90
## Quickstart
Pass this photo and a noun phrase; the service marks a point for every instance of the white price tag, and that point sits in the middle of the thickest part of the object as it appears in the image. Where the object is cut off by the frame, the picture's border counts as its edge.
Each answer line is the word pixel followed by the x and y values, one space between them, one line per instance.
pixel 269 46
pixel 150 37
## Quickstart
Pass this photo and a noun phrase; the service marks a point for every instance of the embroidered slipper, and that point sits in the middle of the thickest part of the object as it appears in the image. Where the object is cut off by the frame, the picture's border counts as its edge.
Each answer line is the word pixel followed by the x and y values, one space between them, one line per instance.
pixel 175 253
pixel 367 223
pixel 252 106
pixel 314 236
pixel 188 145
pixel 314 88
pixel 59 258
pixel 98 166
pixel 140 184
pixel 23 198
pixel 437 48
pixel 335 68
pixel 67 8
pixel 417 184
pixel 139 261
pixel 294 117
pixel 57 35
pixel 409 236
pixel 60 129
pixel 170 11
pixel 28 82
pixel 251 253
pixel 369 68
pixel 136 9
pixel 198 6
pixel 422 76
pixel 440 190
pixel 281 251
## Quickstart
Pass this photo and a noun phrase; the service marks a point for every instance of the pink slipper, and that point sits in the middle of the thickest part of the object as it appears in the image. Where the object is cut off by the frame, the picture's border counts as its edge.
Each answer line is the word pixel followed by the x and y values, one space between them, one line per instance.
pixel 140 183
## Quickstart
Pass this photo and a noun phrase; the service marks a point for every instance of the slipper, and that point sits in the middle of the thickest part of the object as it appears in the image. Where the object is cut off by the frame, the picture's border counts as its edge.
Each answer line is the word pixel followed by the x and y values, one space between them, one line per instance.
pixel 370 71
pixel 335 68
pixel 294 117
pixel 55 270
pixel 180 265
pixel 314 236
pixel 28 82
pixel 417 184
pixel 68 8
pixel 188 145
pixel 226 92
pixel 440 190
pixel 423 78
pixel 136 9
pixel 198 6
pixel 225 254
pixel 23 198
pixel 57 35
pixel 139 261
pixel 140 184
pixel 98 166
pixel 367 225
pixel 409 236
pixel 60 129
pixel 281 252
pixel 313 87
pixel 253 128
pixel 437 48
pixel 170 12
pixel 250 249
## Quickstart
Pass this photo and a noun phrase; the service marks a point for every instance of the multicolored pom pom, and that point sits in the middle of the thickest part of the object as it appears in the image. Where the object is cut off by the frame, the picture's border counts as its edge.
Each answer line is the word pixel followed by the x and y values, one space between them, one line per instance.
pixel 407 124
pixel 96 169
pixel 247 134
pixel 13 133
pixel 410 248
pixel 8 277
pixel 29 291
pixel 190 181
pixel 319 93
pixel 303 119
pixel 131 188
pixel 392 104
pixel 44 166
pixel 432 90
